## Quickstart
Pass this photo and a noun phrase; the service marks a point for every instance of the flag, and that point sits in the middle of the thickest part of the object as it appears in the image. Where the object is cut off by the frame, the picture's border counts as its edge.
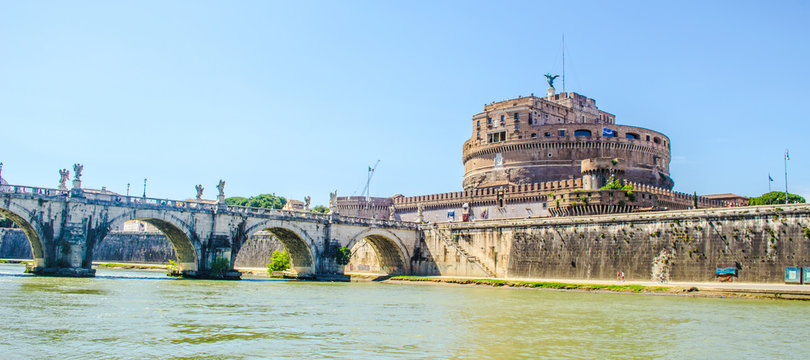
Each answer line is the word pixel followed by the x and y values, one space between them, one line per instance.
pixel 370 169
pixel 769 177
pixel 608 132
pixel 787 155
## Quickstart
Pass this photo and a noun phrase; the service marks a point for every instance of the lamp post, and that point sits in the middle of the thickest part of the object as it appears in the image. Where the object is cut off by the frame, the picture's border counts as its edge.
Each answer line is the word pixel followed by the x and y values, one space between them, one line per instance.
pixel 144 187
pixel 127 189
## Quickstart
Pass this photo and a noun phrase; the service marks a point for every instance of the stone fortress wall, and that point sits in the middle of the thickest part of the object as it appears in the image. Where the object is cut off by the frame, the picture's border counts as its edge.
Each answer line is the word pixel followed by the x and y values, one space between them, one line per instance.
pixel 688 245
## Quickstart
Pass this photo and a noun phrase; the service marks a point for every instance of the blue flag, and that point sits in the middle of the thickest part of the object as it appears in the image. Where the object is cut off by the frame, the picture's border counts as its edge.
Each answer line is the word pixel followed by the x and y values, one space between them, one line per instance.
pixel 608 132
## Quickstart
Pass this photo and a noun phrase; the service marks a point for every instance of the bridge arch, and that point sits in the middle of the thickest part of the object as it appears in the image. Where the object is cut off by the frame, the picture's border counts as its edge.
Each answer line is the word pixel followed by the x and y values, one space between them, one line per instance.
pixel 295 240
pixel 391 253
pixel 32 229
pixel 185 242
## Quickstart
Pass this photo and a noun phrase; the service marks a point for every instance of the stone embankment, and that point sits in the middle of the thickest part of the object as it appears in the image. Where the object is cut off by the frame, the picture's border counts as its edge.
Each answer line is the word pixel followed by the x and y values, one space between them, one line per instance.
pixel 141 247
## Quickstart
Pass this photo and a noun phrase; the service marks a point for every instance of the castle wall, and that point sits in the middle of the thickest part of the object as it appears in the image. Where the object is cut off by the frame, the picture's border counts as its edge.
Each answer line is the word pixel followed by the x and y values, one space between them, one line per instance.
pixel 548 156
pixel 683 245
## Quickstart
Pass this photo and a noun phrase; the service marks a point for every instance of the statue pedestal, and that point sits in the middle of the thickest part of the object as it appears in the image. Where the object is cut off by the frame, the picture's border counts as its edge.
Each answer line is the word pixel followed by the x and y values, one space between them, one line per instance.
pixel 221 199
pixel 550 92
pixel 77 184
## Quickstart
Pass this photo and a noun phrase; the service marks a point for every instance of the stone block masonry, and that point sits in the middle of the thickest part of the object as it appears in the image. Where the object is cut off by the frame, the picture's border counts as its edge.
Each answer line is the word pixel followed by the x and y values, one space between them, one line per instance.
pixel 682 245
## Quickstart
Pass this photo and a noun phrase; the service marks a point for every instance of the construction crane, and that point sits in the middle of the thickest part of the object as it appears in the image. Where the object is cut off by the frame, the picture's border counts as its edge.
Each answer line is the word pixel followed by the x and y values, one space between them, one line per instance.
pixel 367 189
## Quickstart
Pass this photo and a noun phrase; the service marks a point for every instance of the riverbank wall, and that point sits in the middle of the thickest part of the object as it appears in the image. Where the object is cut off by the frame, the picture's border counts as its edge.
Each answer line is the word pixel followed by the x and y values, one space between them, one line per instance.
pixel 688 245
pixel 143 247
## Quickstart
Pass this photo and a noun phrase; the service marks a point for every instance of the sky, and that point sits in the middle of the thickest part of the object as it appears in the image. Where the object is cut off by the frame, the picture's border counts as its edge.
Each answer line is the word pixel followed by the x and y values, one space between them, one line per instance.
pixel 299 98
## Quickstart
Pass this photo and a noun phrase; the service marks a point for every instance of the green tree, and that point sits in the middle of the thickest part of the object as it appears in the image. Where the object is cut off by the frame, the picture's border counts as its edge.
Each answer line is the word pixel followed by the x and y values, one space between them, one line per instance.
pixel 343 256
pixel 775 197
pixel 220 267
pixel 320 209
pixel 280 261
pixel 270 201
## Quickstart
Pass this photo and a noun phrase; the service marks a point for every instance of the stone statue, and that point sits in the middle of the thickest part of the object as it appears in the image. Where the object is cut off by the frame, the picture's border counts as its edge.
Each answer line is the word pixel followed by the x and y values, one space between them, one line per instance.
pixel 77 171
pixel 307 200
pixel 420 208
pixel 199 189
pixel 391 211
pixel 550 78
pixel 221 188
pixel 64 175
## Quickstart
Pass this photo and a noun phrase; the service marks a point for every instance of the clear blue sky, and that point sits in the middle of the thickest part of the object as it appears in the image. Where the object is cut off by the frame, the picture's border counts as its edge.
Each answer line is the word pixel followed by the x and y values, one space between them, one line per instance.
pixel 299 98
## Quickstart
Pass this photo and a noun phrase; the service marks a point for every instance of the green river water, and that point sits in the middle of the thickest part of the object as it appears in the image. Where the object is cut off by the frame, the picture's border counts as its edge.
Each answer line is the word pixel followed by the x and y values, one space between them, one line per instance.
pixel 124 314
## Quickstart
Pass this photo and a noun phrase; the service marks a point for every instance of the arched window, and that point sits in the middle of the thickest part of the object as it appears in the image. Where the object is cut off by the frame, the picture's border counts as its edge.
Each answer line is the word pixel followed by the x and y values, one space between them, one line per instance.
pixel 582 132
pixel 632 136
pixel 656 140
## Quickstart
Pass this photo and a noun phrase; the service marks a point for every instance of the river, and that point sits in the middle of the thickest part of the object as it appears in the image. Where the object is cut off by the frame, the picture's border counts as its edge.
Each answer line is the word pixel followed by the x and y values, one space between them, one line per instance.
pixel 126 314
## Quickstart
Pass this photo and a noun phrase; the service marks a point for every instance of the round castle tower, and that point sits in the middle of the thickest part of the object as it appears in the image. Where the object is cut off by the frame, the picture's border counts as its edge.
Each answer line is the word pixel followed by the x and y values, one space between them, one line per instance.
pixel 539 139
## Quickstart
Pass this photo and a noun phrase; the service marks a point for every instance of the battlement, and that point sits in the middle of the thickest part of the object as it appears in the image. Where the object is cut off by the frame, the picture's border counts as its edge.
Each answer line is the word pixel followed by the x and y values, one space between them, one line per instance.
pixel 509 193
pixel 676 200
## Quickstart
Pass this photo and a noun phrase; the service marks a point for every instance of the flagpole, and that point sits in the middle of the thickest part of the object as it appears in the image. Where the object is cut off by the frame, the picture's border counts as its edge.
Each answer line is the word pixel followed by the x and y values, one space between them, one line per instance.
pixel 769 182
pixel 787 157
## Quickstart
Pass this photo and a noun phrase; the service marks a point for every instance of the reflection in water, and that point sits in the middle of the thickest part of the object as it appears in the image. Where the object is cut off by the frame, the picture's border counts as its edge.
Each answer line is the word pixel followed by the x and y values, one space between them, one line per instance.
pixel 135 314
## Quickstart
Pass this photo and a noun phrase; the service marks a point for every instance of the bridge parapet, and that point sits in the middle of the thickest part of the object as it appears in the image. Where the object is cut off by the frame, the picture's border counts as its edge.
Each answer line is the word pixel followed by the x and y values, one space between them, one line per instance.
pixel 32 192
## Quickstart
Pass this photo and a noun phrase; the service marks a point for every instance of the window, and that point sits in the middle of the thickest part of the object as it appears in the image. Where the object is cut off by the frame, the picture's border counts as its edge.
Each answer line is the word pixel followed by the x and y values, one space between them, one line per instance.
pixel 517 126
pixel 546 116
pixel 478 123
pixel 562 132
pixel 530 118
pixel 583 133
pixel 496 137
pixel 534 135
pixel 648 137
pixel 502 118
pixel 478 134
pixel 657 140
pixel 489 121
pixel 631 136
pixel 548 134
pixel 517 116
pixel 583 118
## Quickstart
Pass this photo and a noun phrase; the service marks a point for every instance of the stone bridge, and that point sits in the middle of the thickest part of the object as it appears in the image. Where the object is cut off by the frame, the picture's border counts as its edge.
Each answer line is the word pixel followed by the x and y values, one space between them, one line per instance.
pixel 64 226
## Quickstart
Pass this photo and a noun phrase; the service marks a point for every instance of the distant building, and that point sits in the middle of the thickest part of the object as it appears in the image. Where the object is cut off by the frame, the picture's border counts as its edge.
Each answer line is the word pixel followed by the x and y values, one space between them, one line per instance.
pixel 731 199
pixel 294 205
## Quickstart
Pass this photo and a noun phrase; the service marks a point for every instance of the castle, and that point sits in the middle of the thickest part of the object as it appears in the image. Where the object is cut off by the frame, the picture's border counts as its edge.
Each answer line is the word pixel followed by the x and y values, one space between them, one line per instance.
pixel 556 155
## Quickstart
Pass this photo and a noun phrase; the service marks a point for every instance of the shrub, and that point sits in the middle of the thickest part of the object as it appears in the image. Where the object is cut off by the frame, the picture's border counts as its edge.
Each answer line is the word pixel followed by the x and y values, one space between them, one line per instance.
pixel 344 254
pixel 220 267
pixel 280 261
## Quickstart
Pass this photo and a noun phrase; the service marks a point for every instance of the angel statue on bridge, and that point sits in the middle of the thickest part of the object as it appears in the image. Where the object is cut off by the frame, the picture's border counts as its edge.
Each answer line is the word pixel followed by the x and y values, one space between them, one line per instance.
pixel 64 174
pixel 550 79
pixel 221 188
pixel 77 171
pixel 307 201
pixel 199 189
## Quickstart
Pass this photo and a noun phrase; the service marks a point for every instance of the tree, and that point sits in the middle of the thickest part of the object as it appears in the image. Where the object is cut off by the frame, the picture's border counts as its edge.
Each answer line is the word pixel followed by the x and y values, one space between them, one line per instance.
pixel 343 256
pixel 280 261
pixel 270 201
pixel 320 209
pixel 775 197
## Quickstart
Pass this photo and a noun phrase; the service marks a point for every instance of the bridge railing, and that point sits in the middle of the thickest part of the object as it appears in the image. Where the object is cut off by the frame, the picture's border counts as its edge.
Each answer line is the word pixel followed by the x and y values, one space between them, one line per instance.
pixel 247 210
pixel 32 190
pixel 115 199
